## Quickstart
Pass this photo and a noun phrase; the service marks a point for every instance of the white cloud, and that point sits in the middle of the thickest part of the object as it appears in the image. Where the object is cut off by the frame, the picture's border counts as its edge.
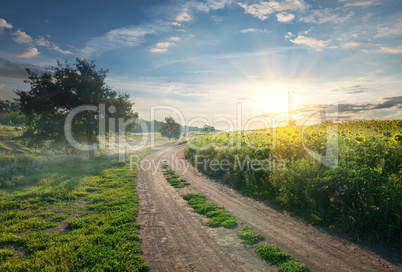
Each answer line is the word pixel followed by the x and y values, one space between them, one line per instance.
pixel 50 45
pixel 264 9
pixel 364 35
pixel 3 25
pixel 174 38
pixel 184 17
pixel 285 17
pixel 28 53
pixel 21 37
pixel 320 16
pixel 130 36
pixel 386 31
pixel 161 47
pixel 311 42
pixel 391 50
pixel 217 4
pixel 260 11
pixel 255 30
pixel 216 19
pixel 363 3
pixel 1 87
pixel 174 24
pixel 208 5
pixel 352 44
pixel 288 35
pixel 122 37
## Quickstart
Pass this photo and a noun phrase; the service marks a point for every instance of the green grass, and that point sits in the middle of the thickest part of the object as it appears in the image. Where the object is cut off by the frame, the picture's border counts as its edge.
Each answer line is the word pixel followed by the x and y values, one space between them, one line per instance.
pixel 82 218
pixel 67 213
pixel 219 217
pixel 172 178
pixel 250 236
pixel 283 260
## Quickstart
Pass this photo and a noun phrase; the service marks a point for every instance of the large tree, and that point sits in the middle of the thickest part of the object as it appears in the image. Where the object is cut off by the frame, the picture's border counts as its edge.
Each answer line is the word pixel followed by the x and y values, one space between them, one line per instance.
pixel 170 128
pixel 60 89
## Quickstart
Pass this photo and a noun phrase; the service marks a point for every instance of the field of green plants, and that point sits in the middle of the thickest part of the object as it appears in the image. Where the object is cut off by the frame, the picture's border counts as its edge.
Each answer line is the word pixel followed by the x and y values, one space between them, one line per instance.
pixel 361 196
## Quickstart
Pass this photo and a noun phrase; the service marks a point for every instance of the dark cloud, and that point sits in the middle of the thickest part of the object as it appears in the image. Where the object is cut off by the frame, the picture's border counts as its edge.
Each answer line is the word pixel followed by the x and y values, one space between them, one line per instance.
pixel 348 111
pixel 15 70
pixel 394 102
pixel 390 102
pixel 356 89
pixel 351 90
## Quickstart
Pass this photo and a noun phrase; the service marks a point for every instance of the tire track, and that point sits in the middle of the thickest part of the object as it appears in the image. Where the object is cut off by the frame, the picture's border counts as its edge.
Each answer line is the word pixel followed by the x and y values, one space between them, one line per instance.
pixel 174 238
pixel 181 241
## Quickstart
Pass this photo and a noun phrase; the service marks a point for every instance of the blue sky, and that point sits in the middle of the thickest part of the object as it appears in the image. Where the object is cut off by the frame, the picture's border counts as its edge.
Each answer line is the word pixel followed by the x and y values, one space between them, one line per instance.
pixel 206 57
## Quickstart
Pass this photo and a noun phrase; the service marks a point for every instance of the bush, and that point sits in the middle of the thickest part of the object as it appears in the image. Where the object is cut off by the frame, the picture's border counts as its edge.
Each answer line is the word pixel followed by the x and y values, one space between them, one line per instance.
pixel 250 236
pixel 219 217
pixel 284 261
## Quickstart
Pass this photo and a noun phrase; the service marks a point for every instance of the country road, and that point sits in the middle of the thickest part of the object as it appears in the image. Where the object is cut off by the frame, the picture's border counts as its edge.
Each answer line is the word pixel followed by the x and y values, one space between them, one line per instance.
pixel 174 238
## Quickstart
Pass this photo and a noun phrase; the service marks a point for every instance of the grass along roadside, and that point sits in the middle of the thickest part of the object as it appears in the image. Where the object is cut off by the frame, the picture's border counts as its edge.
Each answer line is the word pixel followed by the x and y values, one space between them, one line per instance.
pixel 172 178
pixel 250 236
pixel 67 213
pixel 283 260
pixel 219 217
pixel 78 215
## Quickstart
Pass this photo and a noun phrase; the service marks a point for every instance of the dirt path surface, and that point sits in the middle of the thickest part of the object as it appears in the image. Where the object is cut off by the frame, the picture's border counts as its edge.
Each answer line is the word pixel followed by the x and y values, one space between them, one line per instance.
pixel 174 238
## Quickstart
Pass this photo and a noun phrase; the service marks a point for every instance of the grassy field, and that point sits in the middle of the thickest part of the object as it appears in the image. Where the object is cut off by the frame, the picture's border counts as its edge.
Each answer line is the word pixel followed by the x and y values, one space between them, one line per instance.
pixel 67 213
pixel 361 196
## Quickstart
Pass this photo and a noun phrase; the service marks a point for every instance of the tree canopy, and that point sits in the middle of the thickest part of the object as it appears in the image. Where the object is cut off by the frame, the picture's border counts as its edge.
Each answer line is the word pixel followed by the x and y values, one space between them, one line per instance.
pixel 170 128
pixel 56 92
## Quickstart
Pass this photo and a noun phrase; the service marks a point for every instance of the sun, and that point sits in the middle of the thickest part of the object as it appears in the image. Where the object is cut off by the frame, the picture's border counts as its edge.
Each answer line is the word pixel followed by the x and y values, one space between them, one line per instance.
pixel 273 104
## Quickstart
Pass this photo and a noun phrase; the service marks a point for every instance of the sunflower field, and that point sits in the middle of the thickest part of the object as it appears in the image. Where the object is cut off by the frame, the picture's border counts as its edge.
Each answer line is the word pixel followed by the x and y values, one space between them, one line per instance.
pixel 343 175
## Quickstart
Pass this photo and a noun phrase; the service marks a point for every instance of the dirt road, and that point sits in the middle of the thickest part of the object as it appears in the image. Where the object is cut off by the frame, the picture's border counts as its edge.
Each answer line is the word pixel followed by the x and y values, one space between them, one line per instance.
pixel 174 238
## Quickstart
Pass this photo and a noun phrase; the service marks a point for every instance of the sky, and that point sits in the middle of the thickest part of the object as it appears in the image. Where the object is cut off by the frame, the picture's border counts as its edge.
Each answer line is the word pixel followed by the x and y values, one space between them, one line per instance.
pixel 220 61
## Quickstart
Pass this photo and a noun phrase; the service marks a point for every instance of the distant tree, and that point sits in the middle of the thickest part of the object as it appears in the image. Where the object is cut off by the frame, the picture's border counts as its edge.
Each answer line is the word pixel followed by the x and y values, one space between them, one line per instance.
pixel 57 91
pixel 170 128
pixel 207 129
pixel 10 114
pixel 292 123
pixel 7 106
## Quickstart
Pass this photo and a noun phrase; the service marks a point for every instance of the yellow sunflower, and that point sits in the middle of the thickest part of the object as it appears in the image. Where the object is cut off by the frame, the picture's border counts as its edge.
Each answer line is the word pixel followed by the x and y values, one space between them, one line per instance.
pixel 360 139
pixel 291 141
pixel 397 138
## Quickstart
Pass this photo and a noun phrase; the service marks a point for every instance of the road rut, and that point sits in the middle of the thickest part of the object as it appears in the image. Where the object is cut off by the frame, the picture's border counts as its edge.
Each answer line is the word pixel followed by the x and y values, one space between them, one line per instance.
pixel 174 238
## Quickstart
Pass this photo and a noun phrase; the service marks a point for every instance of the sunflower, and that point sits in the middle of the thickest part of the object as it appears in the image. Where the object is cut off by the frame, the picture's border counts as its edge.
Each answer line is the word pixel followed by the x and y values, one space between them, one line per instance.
pixel 291 141
pixel 397 138
pixel 347 140
pixel 360 139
